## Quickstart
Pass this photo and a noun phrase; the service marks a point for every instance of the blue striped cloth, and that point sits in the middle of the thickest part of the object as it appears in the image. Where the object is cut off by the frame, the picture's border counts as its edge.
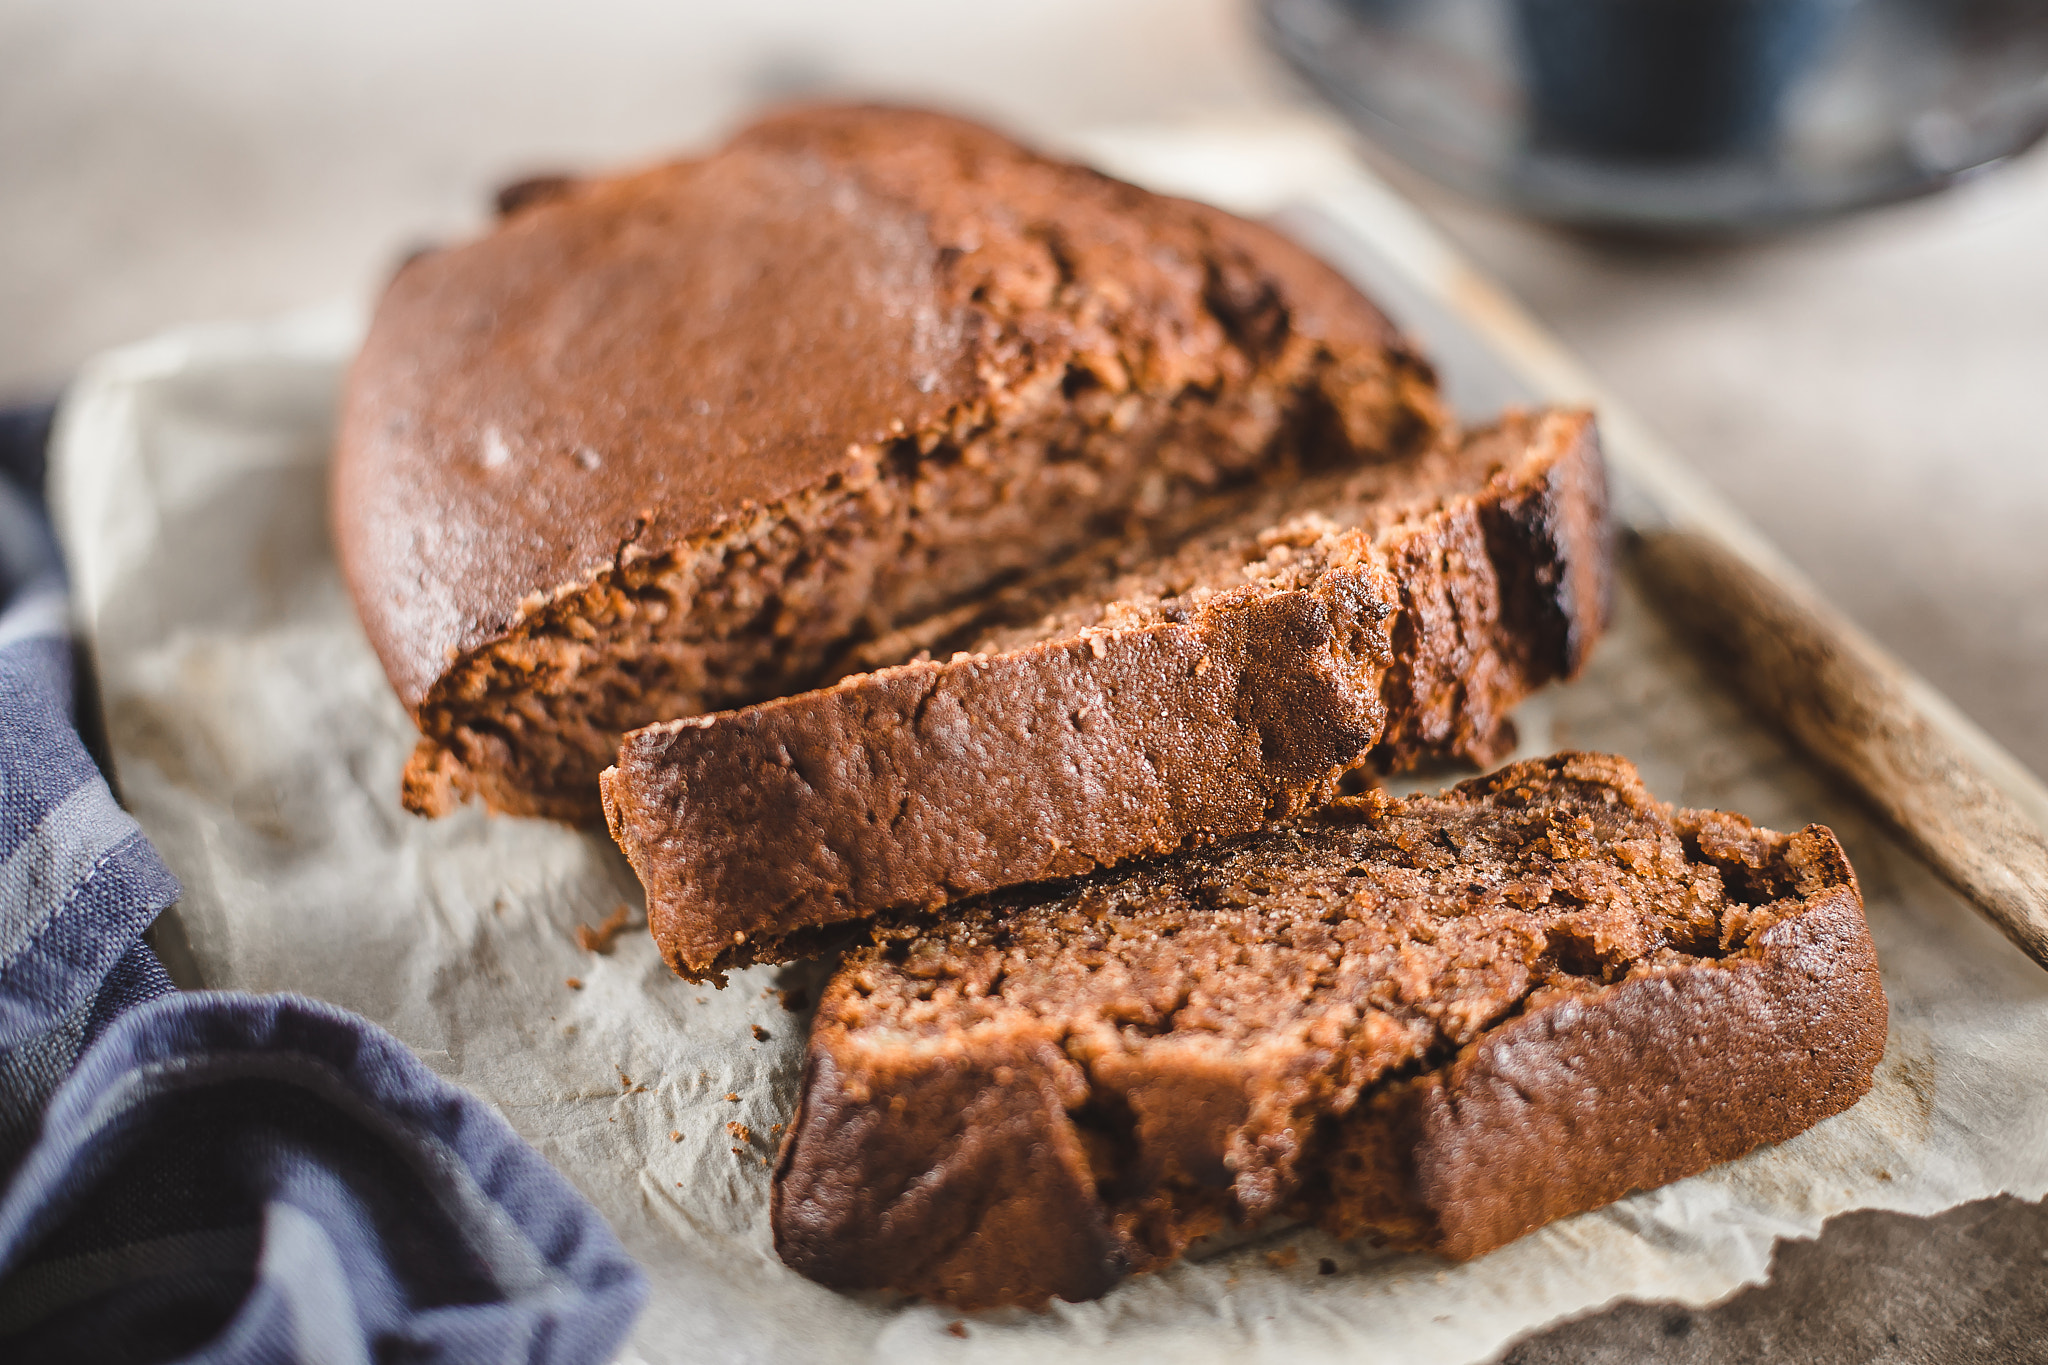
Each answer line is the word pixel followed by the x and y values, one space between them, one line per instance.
pixel 219 1177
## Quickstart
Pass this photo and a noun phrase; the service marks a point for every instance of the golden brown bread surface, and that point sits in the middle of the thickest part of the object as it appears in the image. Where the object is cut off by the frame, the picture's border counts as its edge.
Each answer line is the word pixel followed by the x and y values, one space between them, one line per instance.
pixel 1445 1020
pixel 671 442
pixel 1198 694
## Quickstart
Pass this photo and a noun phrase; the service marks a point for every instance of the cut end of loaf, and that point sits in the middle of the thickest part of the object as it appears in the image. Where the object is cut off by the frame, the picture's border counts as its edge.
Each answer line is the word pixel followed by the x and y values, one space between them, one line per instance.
pixel 764 610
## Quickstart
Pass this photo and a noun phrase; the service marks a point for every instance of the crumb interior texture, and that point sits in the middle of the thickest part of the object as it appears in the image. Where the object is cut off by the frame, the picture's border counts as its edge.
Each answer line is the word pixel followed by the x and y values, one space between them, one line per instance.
pixel 672 442
pixel 1444 1021
pixel 1231 681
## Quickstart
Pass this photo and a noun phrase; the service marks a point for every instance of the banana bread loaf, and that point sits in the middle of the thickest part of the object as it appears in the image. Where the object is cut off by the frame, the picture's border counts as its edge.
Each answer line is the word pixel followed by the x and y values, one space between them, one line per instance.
pixel 1228 683
pixel 670 442
pixel 1446 1021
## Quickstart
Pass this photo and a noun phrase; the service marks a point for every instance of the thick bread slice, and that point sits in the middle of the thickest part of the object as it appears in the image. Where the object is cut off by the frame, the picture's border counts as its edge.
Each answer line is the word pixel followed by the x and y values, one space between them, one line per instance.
pixel 671 442
pixel 1221 686
pixel 1445 1020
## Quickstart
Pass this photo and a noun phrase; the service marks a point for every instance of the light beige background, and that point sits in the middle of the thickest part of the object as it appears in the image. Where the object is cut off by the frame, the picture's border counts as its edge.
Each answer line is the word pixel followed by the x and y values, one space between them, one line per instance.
pixel 1868 392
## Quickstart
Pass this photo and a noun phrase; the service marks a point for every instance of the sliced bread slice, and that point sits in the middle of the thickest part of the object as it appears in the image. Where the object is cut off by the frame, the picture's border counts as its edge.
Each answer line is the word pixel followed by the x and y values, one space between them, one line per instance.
pixel 1446 1020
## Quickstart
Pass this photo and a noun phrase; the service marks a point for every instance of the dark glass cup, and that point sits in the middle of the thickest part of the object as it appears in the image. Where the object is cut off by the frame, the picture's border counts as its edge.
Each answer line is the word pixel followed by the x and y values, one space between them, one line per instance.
pixel 1665 80
pixel 1680 116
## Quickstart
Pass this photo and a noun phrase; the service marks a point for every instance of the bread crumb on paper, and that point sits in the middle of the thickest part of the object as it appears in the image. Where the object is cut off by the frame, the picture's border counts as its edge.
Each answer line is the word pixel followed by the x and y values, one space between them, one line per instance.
pixel 605 936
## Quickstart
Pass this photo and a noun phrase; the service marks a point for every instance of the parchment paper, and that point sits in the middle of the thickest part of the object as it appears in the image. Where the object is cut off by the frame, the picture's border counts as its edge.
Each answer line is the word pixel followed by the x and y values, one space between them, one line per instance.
pixel 255 738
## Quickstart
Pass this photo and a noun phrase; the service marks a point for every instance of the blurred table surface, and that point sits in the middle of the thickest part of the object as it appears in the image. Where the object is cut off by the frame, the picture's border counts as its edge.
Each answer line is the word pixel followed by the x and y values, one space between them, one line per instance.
pixel 1871 392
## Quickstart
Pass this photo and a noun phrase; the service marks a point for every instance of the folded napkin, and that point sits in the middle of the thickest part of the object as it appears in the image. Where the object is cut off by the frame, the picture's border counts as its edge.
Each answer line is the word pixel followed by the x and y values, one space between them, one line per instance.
pixel 216 1176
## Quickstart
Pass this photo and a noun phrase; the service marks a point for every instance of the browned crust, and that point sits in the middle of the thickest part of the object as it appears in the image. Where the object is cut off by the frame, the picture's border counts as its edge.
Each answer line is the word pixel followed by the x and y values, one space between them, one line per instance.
pixel 1468 645
pixel 907 788
pixel 976 1189
pixel 1002 1209
pixel 1574 1106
